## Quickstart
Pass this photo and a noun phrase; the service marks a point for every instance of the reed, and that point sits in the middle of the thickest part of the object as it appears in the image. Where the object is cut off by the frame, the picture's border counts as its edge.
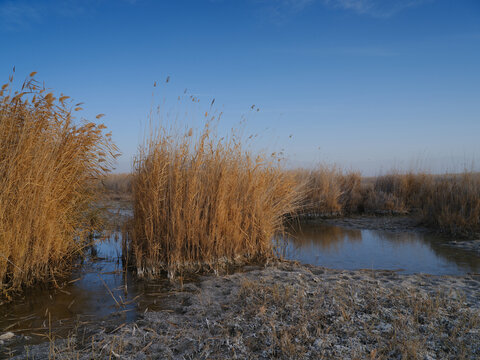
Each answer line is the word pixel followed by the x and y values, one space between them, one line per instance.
pixel 448 202
pixel 48 165
pixel 201 201
pixel 322 190
pixel 406 187
pixel 117 186
pixel 329 191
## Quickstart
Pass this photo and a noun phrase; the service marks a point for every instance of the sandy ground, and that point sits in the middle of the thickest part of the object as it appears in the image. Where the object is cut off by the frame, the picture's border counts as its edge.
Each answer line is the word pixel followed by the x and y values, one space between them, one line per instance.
pixel 291 311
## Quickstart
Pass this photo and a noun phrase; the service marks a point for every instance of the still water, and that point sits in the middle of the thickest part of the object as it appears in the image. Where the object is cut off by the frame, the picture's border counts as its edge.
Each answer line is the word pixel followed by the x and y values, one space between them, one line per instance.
pixel 101 293
pixel 408 252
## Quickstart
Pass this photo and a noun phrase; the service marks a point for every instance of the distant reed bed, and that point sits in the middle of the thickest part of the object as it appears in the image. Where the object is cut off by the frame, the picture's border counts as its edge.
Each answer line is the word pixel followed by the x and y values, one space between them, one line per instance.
pixel 448 202
pixel 117 186
pixel 201 201
pixel 329 191
pixel 48 165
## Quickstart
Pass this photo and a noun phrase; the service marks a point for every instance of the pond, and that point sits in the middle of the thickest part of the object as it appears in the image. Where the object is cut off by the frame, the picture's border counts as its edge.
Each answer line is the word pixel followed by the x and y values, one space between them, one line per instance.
pixel 102 294
pixel 409 252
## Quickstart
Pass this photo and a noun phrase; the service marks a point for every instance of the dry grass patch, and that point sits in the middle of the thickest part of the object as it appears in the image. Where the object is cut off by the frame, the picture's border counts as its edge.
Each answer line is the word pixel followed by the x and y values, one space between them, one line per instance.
pixel 296 312
pixel 357 321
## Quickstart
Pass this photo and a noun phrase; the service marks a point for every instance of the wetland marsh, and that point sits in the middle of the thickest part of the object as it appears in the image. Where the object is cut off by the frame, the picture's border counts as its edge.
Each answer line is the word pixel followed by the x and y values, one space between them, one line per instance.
pixel 209 250
pixel 102 297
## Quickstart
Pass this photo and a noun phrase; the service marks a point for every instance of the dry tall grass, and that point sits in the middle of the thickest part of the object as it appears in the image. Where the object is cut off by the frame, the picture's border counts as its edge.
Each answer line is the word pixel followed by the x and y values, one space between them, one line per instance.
pixel 453 204
pixel 200 201
pixel 449 202
pixel 322 190
pixel 117 186
pixel 47 167
pixel 329 191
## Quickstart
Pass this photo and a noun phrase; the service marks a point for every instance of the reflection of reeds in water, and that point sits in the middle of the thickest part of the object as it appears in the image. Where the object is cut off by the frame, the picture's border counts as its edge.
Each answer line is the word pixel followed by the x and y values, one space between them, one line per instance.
pixel 398 238
pixel 47 167
pixel 325 237
pixel 464 259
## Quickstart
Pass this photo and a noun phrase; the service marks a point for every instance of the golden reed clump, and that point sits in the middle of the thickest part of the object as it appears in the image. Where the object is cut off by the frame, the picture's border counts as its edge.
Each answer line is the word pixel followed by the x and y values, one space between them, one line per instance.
pixel 449 202
pixel 48 167
pixel 200 202
pixel 329 191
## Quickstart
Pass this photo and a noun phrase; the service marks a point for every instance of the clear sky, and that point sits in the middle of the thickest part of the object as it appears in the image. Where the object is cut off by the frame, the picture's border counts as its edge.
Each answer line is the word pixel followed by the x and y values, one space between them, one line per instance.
pixel 367 84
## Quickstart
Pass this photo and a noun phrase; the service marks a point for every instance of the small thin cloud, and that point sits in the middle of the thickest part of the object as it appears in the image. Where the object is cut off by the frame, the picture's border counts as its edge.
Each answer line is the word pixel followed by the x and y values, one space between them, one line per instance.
pixel 367 51
pixel 349 51
pixel 14 15
pixel 296 5
pixel 21 14
pixel 375 8
pixel 282 10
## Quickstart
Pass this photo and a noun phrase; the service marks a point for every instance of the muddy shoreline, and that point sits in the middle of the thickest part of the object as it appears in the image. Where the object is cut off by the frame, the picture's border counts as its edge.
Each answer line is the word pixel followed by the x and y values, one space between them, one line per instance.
pixel 397 223
pixel 287 310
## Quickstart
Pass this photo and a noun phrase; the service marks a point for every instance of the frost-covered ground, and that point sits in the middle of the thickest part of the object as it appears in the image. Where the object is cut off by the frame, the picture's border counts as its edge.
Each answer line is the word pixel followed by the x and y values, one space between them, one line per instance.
pixel 286 310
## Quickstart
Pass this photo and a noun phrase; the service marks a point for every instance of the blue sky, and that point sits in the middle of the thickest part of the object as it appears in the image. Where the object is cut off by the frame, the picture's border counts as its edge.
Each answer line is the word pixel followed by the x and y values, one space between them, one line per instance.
pixel 366 84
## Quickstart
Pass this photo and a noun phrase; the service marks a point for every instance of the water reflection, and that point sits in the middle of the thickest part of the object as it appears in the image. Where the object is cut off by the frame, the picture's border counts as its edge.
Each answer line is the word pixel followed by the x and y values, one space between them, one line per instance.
pixel 332 237
pixel 409 252
pixel 102 293
pixel 99 292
